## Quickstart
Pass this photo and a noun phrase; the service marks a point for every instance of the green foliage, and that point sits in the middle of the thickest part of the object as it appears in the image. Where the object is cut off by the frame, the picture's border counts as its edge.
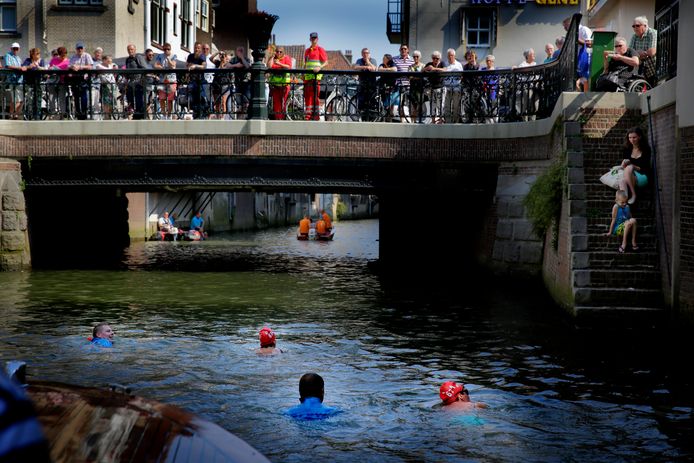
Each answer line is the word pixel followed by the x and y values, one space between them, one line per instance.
pixel 340 210
pixel 544 199
pixel 22 185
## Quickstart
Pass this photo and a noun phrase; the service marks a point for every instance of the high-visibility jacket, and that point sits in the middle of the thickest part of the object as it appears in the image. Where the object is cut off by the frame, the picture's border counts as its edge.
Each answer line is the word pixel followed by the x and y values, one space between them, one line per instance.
pixel 281 79
pixel 320 227
pixel 328 222
pixel 314 57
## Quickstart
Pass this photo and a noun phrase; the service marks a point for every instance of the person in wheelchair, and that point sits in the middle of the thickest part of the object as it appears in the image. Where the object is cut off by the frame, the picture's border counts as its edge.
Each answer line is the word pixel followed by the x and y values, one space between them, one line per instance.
pixel 619 66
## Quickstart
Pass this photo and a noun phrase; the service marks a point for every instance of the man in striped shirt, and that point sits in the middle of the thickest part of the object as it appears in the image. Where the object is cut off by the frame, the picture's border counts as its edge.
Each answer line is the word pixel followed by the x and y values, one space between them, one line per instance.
pixel 402 63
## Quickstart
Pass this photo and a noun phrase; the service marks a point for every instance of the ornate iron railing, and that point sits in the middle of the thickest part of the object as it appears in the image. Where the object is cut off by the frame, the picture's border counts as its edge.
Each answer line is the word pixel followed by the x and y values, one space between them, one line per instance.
pixel 667 25
pixel 488 96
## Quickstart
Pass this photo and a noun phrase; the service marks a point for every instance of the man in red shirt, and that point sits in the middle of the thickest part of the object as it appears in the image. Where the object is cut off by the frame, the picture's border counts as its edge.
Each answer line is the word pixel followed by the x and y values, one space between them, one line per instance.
pixel 279 83
pixel 315 59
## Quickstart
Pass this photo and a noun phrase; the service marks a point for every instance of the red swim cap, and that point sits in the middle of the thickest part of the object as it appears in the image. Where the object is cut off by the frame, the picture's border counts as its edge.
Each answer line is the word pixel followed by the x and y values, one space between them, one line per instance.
pixel 267 337
pixel 449 392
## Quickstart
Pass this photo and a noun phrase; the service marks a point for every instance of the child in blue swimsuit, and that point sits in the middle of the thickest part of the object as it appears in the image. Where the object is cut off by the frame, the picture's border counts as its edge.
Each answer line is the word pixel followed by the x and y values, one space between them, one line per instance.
pixel 622 222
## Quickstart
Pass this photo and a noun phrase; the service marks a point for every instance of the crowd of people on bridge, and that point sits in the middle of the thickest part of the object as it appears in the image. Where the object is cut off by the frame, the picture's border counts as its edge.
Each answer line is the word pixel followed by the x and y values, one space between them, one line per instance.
pixel 161 94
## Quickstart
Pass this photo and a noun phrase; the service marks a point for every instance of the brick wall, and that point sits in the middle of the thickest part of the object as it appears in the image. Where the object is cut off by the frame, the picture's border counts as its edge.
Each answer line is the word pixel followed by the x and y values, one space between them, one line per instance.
pixel 664 124
pixel 686 205
pixel 473 150
pixel 65 27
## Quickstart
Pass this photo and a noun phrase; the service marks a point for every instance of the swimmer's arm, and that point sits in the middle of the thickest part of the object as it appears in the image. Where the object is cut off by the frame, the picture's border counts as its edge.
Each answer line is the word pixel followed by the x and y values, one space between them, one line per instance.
pixel 481 405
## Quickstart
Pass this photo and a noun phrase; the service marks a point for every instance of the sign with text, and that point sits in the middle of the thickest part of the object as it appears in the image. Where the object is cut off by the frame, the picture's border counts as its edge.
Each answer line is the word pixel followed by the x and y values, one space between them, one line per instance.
pixel 523 2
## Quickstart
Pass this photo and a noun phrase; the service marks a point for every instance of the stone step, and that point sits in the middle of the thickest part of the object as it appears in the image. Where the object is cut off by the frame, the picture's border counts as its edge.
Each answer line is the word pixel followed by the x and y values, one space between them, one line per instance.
pixel 619 297
pixel 626 278
pixel 612 259
pixel 602 227
pixel 619 317
pixel 599 242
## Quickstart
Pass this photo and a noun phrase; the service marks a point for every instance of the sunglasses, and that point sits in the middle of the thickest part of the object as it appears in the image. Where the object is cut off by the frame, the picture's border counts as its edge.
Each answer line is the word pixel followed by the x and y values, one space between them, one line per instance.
pixel 279 52
pixel 636 25
pixel 167 49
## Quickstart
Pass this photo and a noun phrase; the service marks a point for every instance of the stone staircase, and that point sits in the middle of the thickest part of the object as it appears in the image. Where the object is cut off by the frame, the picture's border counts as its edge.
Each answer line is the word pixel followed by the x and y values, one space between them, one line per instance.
pixel 607 285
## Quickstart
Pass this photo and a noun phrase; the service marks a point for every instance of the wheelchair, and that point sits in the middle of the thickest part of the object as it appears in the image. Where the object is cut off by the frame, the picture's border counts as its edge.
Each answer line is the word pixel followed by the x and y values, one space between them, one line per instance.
pixel 635 83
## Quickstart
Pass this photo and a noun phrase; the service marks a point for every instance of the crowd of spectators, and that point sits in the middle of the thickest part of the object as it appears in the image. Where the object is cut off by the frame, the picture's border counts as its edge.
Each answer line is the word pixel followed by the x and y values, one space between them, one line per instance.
pixel 166 89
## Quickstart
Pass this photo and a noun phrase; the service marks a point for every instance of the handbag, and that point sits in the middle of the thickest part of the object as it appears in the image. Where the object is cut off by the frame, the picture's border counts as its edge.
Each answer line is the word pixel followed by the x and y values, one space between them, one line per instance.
pixel 613 177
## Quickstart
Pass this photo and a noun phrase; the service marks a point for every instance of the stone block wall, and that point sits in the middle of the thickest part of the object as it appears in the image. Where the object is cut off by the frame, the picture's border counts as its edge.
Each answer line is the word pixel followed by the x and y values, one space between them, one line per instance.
pixel 14 238
pixel 516 246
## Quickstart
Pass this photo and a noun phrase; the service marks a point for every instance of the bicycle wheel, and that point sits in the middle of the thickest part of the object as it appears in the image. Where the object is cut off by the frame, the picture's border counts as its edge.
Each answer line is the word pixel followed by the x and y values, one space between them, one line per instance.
pixel 295 109
pixel 340 108
pixel 238 106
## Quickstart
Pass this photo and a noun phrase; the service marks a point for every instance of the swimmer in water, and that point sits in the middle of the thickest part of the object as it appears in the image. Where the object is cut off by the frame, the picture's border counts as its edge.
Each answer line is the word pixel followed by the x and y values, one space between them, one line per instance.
pixel 102 335
pixel 456 396
pixel 267 342
pixel 311 393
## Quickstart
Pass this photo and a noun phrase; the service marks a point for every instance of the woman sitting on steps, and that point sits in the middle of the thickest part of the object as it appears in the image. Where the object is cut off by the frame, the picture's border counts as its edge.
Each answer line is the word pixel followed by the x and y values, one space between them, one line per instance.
pixel 636 162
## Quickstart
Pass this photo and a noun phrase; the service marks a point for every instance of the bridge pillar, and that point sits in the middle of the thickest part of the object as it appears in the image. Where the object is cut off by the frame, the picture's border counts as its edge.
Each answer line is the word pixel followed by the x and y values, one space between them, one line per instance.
pixel 14 239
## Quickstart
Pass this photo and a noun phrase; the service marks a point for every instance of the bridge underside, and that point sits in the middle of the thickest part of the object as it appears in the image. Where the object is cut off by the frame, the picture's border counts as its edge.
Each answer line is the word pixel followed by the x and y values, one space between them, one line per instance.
pixel 89 194
pixel 229 174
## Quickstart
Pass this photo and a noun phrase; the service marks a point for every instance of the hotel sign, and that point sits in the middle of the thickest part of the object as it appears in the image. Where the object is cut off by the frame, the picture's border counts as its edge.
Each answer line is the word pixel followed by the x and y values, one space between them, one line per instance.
pixel 523 2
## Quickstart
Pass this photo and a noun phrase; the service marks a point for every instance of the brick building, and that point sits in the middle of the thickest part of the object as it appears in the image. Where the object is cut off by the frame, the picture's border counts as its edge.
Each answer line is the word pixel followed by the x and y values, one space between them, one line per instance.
pixel 113 24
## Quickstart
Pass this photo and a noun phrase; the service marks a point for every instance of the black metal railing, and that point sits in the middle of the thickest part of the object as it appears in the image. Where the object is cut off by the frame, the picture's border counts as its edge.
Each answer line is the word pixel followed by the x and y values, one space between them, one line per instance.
pixel 499 95
pixel 667 25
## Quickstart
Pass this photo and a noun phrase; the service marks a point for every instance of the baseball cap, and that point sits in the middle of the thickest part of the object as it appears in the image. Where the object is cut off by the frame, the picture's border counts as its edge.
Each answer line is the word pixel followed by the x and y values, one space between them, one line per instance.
pixel 267 337
pixel 79 45
pixel 314 35
pixel 15 45
pixel 449 392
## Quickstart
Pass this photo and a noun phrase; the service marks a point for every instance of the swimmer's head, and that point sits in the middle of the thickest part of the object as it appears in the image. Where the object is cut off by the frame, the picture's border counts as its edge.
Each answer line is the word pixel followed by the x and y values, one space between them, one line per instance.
pixel 103 330
pixel 449 391
pixel 311 385
pixel 267 337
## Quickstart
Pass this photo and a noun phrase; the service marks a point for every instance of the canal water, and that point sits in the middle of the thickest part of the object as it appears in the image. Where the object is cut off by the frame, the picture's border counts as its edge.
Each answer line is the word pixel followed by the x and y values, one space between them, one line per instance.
pixel 187 317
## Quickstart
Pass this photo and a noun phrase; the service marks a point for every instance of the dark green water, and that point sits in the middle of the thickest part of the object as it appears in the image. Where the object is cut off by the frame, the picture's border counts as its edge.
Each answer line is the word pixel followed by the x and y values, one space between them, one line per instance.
pixel 187 317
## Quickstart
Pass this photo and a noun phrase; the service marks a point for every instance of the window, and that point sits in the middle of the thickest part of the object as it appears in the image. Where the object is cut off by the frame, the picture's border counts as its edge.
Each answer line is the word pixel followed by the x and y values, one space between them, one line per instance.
pixel 8 15
pixel 205 15
pixel 158 21
pixel 175 21
pixel 479 27
pixel 186 22
pixel 81 2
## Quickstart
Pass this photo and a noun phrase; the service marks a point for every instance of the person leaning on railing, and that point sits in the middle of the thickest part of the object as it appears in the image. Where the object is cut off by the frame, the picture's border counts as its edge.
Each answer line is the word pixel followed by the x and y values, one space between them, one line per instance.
pixel 80 61
pixel 644 42
pixel 367 84
pixel 32 82
pixel 55 85
pixel 13 82
pixel 108 86
pixel 436 83
pixel 453 94
pixel 167 90
pixel 279 83
pixel 135 91
pixel 416 86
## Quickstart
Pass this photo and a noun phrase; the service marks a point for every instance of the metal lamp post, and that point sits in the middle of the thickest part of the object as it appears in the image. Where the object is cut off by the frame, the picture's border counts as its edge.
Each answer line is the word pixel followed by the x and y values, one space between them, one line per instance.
pixel 259 29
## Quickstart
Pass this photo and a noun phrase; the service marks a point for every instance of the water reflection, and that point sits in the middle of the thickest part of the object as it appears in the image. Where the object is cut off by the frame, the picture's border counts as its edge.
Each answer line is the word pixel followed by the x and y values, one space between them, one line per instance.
pixel 383 345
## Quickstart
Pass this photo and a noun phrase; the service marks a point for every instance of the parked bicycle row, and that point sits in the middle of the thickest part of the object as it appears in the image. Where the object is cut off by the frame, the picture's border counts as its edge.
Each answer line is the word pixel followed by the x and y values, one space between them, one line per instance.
pixel 442 97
